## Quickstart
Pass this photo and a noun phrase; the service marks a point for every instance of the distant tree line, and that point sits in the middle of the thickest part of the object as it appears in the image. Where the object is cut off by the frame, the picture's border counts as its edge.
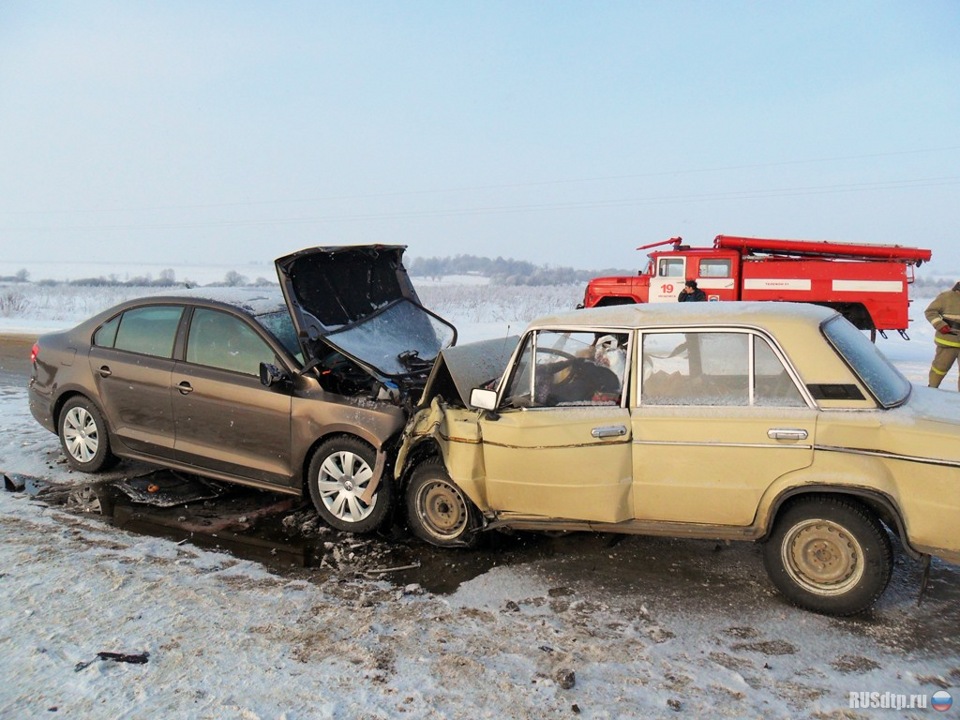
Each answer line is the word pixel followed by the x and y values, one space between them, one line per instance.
pixel 22 276
pixel 505 271
pixel 167 278
pixel 520 272
pixel 944 283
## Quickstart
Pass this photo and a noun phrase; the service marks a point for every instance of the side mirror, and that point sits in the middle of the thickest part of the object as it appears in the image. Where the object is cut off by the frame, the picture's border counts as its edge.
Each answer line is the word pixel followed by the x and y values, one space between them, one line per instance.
pixel 271 375
pixel 483 399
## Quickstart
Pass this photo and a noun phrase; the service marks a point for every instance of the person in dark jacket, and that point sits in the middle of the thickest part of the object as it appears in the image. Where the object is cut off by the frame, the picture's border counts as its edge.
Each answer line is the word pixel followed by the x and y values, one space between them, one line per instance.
pixel 691 293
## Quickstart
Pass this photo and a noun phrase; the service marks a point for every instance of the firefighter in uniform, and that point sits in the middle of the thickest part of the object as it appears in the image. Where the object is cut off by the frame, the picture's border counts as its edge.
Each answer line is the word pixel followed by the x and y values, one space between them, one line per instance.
pixel 944 314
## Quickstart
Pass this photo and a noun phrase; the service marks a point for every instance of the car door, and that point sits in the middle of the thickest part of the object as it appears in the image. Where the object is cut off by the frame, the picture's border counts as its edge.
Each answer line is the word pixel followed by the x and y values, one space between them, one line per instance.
pixel 720 417
pixel 131 359
pixel 559 445
pixel 666 285
pixel 226 420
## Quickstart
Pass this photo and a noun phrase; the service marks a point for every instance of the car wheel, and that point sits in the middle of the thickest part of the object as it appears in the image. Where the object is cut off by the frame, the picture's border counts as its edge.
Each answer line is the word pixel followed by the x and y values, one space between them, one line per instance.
pixel 829 555
pixel 340 472
pixel 83 436
pixel 438 511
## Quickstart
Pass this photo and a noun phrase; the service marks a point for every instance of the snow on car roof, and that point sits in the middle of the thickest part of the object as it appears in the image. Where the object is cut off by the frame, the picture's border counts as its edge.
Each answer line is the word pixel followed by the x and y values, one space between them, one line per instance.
pixel 712 313
pixel 253 300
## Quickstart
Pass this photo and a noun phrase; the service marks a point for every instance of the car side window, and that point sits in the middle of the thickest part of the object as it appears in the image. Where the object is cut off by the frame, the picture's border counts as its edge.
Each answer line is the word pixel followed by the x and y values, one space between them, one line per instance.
pixel 714 369
pixel 694 369
pixel 564 369
pixel 145 330
pixel 106 334
pixel 773 386
pixel 223 341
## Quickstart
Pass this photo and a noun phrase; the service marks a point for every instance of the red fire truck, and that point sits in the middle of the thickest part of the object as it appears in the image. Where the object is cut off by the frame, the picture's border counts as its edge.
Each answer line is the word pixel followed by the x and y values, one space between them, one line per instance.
pixel 866 283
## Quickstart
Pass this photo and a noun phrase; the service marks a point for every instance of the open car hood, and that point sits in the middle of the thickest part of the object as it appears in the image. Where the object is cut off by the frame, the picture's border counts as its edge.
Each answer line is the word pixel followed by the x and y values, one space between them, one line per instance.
pixel 358 300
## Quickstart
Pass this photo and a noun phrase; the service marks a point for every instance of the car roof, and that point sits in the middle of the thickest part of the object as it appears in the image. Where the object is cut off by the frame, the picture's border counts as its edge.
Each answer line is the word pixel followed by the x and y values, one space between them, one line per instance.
pixel 251 300
pixel 755 314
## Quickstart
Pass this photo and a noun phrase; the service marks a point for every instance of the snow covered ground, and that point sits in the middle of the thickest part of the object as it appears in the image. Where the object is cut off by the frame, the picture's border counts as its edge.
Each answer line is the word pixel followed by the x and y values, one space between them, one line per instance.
pixel 641 628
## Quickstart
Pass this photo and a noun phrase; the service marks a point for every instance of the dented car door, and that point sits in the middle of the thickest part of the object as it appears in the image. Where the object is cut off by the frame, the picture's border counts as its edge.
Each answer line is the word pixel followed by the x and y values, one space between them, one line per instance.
pixel 559 446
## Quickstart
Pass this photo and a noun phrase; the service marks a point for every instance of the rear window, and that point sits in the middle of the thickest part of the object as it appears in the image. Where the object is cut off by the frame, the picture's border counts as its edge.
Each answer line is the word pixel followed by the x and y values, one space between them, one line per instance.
pixel 882 379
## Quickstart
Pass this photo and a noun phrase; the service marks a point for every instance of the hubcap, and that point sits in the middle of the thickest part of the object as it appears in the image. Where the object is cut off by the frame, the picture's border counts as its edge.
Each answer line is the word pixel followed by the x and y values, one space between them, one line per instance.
pixel 344 476
pixel 822 557
pixel 80 434
pixel 443 509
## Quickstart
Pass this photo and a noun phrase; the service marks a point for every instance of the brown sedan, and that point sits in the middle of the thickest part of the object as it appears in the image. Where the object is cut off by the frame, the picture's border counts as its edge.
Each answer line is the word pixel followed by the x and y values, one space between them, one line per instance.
pixel 236 389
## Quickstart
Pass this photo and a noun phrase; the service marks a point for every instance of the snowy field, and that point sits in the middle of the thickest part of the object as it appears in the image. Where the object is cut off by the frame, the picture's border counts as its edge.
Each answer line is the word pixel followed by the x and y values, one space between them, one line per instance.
pixel 704 636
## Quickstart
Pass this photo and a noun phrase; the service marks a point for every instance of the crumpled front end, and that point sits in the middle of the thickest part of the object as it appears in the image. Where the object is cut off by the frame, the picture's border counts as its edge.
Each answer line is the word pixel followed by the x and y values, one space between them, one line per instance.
pixel 359 321
pixel 453 434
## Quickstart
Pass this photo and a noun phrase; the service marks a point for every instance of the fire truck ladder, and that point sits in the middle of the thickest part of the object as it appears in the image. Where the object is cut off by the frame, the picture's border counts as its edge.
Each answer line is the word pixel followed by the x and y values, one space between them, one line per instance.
pixel 825 249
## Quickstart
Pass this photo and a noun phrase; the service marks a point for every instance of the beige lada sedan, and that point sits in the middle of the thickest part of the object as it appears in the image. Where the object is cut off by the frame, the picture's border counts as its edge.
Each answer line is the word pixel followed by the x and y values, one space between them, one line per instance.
pixel 768 422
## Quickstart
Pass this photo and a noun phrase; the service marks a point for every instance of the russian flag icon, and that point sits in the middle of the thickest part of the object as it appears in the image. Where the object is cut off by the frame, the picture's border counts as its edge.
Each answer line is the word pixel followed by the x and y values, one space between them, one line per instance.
pixel 941 701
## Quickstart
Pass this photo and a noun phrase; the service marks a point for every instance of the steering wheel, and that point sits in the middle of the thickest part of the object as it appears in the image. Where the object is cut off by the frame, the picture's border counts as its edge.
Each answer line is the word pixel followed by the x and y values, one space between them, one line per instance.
pixel 558 352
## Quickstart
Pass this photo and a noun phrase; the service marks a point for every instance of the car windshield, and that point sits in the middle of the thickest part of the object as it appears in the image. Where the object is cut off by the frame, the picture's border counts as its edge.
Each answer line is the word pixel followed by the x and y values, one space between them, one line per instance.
pixel 884 381
pixel 281 326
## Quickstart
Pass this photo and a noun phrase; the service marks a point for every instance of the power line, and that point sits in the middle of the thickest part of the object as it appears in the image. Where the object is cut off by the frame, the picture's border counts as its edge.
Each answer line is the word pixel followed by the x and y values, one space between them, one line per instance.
pixel 480 188
pixel 727 196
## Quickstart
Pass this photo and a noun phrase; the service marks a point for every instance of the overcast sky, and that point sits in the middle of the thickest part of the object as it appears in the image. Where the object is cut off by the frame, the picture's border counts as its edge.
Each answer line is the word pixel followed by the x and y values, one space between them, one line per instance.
pixel 564 133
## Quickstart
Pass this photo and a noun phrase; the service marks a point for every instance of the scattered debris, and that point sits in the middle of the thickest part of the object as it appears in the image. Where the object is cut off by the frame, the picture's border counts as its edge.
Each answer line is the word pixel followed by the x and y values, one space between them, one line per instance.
pixel 305 523
pixel 566 678
pixel 165 488
pixel 383 571
pixel 133 659
pixel 12 482
pixel 15 482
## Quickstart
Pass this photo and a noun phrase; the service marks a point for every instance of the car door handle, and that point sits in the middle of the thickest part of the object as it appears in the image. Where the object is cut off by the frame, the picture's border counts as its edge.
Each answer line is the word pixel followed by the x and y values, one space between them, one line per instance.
pixel 609 431
pixel 185 388
pixel 787 434
pixel 105 371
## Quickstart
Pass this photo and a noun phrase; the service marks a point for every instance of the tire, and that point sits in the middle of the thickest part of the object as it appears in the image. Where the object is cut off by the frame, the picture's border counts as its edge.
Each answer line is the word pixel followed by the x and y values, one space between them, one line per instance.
pixel 339 473
pixel 829 555
pixel 83 436
pixel 438 512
